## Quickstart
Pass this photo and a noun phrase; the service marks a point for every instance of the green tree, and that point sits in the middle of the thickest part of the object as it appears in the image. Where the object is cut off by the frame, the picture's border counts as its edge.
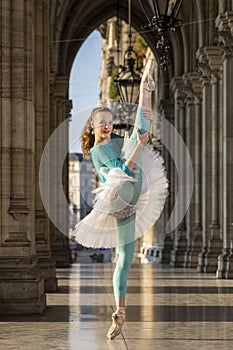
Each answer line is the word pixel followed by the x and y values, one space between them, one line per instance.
pixel 140 47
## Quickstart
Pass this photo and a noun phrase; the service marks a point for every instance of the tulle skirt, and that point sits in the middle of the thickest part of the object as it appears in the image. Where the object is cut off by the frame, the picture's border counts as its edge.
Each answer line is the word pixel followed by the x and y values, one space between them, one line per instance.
pixel 99 228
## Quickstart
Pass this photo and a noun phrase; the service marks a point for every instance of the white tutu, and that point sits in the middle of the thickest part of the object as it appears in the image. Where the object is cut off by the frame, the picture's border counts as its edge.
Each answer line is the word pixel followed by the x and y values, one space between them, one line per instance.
pixel 99 228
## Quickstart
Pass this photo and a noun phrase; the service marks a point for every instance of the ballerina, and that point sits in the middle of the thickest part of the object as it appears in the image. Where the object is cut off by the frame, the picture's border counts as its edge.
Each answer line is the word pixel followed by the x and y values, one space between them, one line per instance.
pixel 132 192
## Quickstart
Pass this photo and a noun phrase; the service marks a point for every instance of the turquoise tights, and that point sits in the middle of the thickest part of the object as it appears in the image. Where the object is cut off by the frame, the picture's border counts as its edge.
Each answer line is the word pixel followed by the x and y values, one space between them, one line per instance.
pixel 126 252
pixel 127 226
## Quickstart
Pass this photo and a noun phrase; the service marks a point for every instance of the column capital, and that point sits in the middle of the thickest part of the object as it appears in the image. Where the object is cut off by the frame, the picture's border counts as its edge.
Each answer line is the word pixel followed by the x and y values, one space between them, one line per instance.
pixel 193 86
pixel 176 84
pixel 203 66
pixel 181 99
pixel 224 23
pixel 214 57
pixel 210 63
pixel 178 90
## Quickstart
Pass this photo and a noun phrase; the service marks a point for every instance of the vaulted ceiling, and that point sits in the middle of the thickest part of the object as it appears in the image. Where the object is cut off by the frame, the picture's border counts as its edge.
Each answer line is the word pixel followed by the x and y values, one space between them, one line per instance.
pixel 71 21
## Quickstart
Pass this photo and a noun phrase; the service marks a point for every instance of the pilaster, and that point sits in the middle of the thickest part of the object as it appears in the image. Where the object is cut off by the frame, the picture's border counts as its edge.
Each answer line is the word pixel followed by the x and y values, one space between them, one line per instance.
pixel 224 22
pixel 214 62
pixel 166 113
pixel 205 76
pixel 60 108
pixel 177 257
pixel 43 249
pixel 21 282
pixel 193 120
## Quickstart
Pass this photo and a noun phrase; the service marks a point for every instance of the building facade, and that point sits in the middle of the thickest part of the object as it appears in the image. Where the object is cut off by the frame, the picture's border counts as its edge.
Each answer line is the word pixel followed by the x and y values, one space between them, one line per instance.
pixel 39 41
pixel 82 181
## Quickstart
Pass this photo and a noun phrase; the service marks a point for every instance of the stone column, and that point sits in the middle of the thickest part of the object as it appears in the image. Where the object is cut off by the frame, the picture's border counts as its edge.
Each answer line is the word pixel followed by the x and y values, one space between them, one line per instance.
pixel 205 153
pixel 21 287
pixel 224 23
pixel 189 142
pixel 46 262
pixel 180 241
pixel 59 111
pixel 215 243
pixel 194 227
pixel 165 111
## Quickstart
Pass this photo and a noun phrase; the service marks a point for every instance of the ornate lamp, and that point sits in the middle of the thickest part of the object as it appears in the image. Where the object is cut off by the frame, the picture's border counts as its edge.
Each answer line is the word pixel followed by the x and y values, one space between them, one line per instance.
pixel 163 18
pixel 128 79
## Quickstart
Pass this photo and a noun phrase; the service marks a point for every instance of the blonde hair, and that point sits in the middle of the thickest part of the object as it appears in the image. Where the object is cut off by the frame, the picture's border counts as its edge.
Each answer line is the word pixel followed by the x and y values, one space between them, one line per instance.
pixel 88 137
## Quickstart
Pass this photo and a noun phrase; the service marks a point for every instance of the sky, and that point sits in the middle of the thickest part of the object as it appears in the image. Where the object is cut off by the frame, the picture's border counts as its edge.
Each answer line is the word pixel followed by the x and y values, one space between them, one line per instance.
pixel 84 86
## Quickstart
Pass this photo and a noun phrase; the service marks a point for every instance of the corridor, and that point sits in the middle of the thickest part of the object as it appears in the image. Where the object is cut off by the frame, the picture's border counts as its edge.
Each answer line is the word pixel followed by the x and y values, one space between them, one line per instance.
pixel 167 309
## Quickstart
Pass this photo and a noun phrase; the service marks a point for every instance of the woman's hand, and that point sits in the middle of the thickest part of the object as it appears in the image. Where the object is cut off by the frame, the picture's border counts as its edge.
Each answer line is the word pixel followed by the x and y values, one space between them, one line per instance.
pixel 147 113
pixel 143 139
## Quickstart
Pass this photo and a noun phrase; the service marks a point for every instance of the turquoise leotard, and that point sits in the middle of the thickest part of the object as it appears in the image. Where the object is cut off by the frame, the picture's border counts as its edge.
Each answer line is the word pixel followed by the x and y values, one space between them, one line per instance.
pixel 108 155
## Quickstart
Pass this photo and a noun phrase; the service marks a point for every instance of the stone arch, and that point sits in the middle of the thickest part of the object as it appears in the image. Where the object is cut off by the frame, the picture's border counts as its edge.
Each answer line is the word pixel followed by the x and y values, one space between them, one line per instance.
pixel 66 26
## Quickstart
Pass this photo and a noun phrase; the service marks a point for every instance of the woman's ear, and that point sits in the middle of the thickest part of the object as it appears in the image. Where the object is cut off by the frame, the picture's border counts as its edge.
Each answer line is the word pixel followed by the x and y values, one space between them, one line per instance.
pixel 92 124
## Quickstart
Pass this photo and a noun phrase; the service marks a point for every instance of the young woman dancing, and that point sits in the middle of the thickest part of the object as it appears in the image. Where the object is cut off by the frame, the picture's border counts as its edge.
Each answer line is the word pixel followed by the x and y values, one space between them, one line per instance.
pixel 132 193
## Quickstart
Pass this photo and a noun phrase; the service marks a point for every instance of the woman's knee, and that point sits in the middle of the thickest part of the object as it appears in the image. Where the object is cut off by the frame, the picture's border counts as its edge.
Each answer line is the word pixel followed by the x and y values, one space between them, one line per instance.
pixel 126 255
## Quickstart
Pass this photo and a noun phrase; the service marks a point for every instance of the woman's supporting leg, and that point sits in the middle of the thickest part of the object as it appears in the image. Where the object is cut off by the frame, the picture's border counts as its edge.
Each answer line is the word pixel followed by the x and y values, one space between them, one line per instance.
pixel 126 227
pixel 126 251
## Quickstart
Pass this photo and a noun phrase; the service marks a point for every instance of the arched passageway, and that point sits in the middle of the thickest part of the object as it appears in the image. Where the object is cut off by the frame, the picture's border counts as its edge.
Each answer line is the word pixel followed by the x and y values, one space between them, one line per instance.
pixel 39 40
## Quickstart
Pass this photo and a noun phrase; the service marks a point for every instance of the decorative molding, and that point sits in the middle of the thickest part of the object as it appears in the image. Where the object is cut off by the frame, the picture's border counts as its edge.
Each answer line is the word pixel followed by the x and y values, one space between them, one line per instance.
pixel 177 87
pixel 209 64
pixel 61 85
pixel 18 208
pixel 17 239
pixel 189 98
pixel 203 67
pixel 176 84
pixel 215 62
pixel 224 22
pixel 181 96
pixel 193 85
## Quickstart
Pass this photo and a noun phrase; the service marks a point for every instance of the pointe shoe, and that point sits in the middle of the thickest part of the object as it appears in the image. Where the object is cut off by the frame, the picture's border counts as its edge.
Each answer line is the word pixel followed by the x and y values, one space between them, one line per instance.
pixel 117 324
pixel 147 80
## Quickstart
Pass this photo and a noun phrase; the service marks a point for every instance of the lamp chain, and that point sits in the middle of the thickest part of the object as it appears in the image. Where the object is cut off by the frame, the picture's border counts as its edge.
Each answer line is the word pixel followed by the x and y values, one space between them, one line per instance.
pixel 129 21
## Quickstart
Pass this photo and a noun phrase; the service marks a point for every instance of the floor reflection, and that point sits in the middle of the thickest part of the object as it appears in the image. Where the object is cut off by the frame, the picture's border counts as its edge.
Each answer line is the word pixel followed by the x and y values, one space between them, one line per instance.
pixel 166 309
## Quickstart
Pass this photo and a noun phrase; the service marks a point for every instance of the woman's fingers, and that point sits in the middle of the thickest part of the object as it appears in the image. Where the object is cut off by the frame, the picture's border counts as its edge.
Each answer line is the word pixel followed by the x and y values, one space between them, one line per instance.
pixel 143 138
pixel 148 114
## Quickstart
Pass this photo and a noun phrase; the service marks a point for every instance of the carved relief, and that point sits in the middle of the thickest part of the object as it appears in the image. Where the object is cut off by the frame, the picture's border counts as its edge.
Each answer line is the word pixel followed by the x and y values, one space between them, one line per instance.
pixel 224 22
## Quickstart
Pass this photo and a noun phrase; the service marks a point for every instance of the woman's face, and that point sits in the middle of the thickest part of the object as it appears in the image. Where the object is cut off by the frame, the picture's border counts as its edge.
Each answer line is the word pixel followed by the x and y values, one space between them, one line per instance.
pixel 102 126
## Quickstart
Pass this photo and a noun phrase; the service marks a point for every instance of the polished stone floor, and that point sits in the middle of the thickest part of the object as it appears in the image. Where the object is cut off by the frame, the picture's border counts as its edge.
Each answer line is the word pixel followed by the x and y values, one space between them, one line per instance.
pixel 167 309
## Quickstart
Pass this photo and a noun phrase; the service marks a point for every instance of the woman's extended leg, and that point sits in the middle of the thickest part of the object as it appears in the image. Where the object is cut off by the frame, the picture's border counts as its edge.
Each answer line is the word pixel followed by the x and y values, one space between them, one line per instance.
pixel 144 112
pixel 126 227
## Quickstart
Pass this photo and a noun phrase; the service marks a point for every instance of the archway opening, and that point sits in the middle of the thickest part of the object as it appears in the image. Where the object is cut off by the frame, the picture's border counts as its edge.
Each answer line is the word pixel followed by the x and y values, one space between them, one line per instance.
pixel 89 90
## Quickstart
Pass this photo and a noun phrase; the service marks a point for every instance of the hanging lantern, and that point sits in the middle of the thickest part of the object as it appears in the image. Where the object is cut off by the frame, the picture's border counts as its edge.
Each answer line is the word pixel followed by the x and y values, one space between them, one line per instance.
pixel 129 78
